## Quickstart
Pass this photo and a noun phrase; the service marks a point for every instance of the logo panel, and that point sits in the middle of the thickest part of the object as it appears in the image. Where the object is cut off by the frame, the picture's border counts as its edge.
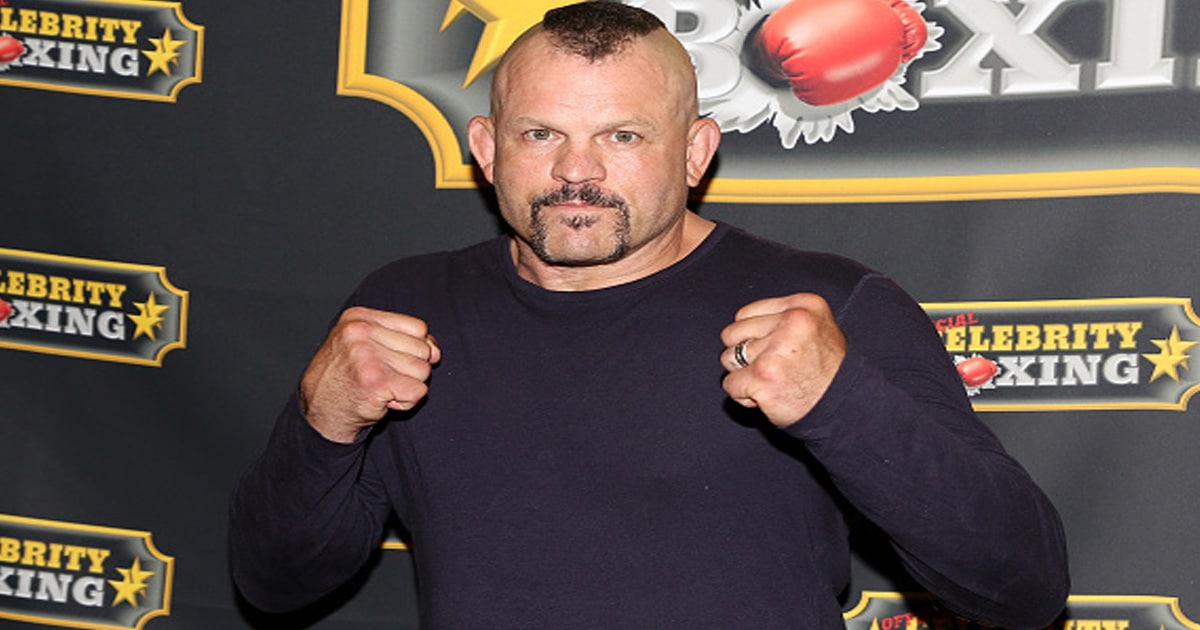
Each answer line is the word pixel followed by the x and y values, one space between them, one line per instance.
pixel 1130 353
pixel 93 309
pixel 976 99
pixel 135 49
pixel 81 576
pixel 894 611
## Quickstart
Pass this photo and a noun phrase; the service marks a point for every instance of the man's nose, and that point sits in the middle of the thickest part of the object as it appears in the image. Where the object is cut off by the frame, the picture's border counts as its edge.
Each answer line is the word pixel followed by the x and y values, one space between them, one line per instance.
pixel 578 162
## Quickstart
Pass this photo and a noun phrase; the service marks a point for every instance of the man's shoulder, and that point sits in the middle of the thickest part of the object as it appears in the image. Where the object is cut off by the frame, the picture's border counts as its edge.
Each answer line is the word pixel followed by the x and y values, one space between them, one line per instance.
pixel 438 270
pixel 767 257
pixel 474 254
pixel 852 289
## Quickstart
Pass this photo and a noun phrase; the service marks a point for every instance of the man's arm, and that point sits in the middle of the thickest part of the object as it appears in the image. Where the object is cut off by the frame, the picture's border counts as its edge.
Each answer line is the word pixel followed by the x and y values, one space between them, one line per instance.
pixel 897 435
pixel 305 517
pixel 310 511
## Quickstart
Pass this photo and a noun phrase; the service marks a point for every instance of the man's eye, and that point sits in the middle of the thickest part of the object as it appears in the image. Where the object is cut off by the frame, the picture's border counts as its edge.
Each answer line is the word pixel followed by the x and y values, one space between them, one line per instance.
pixel 624 136
pixel 538 134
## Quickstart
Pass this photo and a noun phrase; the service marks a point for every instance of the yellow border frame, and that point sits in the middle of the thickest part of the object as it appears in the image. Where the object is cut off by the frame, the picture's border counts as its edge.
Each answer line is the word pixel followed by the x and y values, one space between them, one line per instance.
pixel 166 98
pixel 958 187
pixel 144 536
pixel 450 172
pixel 1184 303
pixel 1172 603
pixel 160 271
pixel 353 80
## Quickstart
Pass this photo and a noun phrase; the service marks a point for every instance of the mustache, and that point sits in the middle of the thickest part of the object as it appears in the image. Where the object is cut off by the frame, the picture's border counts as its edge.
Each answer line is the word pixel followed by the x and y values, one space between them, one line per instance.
pixel 587 193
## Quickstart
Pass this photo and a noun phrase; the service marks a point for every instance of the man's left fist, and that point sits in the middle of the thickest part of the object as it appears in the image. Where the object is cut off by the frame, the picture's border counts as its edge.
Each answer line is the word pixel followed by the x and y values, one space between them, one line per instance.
pixel 829 51
pixel 782 354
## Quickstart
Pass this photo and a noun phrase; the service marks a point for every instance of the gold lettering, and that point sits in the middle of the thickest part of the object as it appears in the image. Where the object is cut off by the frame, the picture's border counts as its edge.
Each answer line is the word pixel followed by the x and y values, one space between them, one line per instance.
pixel 1080 338
pixel 37 285
pixel 1101 334
pixel 60 289
pixel 35 554
pixel 16 283
pixel 131 27
pixel 55 560
pixel 953 339
pixel 6 20
pixel 1029 337
pixel 10 549
pixel 49 24
pixel 1002 338
pixel 74 553
pixel 1041 337
pixel 115 291
pixel 109 27
pixel 96 290
pixel 28 21
pixel 1128 332
pixel 97 556
pixel 1055 337
pixel 69 25
pixel 977 342
pixel 72 26
pixel 1096 624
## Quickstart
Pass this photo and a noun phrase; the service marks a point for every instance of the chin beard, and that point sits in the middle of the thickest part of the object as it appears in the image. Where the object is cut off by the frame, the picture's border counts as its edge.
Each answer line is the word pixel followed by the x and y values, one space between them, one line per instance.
pixel 593 196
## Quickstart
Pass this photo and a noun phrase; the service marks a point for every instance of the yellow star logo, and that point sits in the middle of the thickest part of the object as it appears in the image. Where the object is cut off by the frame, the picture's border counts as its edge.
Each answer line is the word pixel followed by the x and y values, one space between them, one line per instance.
pixel 1171 356
pixel 131 584
pixel 148 318
pixel 166 52
pixel 504 21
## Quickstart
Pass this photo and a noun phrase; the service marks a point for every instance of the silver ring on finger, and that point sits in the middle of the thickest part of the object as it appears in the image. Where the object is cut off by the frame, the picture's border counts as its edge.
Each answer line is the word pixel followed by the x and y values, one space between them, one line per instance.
pixel 739 354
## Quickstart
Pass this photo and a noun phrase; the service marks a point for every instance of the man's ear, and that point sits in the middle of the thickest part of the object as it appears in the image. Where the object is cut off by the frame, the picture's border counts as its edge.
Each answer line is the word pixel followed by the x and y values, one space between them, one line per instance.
pixel 481 136
pixel 703 139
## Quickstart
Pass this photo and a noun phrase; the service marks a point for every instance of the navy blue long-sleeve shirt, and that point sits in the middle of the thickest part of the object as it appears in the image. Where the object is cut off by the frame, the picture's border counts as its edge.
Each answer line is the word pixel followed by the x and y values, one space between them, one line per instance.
pixel 577 463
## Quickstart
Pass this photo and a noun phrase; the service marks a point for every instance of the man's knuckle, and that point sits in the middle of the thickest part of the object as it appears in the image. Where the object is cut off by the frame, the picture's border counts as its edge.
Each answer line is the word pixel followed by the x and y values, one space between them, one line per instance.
pixel 799 319
pixel 355 330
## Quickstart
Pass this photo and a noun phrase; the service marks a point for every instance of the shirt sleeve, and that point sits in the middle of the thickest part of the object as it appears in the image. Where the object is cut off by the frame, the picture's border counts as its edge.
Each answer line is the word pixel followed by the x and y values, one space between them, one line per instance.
pixel 305 517
pixel 899 439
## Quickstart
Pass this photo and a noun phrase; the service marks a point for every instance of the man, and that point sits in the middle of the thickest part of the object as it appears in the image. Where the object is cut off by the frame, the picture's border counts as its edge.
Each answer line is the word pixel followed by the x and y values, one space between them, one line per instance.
pixel 624 415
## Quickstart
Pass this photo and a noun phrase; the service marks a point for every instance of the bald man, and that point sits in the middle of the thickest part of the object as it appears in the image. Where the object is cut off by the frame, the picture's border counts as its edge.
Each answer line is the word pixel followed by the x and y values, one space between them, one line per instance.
pixel 624 415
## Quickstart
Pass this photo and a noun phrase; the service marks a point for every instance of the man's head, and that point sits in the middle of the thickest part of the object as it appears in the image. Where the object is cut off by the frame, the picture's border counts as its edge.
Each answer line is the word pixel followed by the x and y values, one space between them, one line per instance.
pixel 593 137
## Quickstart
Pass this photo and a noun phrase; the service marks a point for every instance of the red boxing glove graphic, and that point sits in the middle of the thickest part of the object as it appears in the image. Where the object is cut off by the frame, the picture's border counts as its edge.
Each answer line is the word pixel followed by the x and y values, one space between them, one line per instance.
pixel 10 48
pixel 977 371
pixel 829 51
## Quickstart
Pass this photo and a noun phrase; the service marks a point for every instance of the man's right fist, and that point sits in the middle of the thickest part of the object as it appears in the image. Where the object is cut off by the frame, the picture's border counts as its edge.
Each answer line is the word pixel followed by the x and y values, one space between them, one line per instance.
pixel 829 51
pixel 372 361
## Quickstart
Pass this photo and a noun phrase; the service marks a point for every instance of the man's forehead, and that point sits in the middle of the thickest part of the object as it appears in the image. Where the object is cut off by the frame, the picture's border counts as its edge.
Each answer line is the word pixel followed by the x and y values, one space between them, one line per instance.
pixel 536 61
pixel 541 48
pixel 536 45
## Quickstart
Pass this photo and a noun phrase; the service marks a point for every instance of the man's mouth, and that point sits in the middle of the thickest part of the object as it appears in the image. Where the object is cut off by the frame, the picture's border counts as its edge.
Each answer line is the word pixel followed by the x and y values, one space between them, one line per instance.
pixel 577 196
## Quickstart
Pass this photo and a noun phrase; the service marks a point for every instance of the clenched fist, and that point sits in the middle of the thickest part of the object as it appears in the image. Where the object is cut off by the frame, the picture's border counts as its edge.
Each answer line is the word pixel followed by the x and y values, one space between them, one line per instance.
pixel 372 361
pixel 791 348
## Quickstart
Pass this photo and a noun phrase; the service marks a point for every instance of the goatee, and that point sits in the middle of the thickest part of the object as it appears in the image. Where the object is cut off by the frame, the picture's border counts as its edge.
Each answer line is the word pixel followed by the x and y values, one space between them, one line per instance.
pixel 591 195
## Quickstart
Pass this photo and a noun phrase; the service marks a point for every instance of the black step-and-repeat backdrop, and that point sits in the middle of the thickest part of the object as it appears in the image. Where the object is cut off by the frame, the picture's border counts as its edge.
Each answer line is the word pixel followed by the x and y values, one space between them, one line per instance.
pixel 188 190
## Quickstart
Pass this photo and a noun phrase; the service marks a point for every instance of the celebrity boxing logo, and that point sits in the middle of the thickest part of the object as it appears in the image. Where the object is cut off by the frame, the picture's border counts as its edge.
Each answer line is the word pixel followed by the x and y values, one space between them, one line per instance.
pixel 894 611
pixel 86 308
pixel 853 100
pixel 81 576
pixel 137 49
pixel 1130 353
